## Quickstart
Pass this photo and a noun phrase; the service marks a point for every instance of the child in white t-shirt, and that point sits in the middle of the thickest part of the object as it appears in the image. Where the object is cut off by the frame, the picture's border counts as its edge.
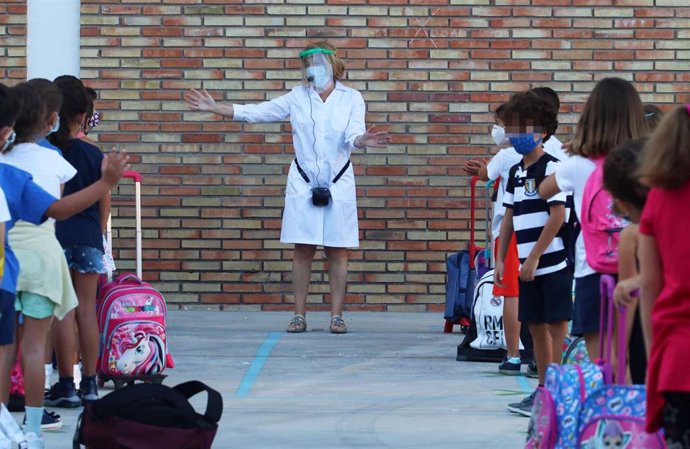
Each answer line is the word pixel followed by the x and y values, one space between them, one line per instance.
pixel 603 126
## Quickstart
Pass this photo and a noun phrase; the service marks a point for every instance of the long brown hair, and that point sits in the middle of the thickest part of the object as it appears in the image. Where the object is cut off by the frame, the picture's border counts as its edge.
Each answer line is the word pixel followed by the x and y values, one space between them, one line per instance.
pixel 612 116
pixel 337 63
pixel 666 160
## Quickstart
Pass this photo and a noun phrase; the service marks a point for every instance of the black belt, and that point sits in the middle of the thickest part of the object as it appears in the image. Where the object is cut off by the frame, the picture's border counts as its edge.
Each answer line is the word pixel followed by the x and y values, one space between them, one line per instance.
pixel 337 177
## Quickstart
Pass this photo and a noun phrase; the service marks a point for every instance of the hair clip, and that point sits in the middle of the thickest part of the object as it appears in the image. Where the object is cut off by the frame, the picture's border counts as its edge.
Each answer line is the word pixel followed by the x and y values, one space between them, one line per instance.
pixel 94 120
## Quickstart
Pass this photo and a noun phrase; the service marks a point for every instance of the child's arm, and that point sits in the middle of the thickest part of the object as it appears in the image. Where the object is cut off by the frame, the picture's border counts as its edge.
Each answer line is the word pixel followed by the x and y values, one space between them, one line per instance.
pixel 548 188
pixel 503 243
pixel 652 283
pixel 553 225
pixel 113 167
pixel 629 278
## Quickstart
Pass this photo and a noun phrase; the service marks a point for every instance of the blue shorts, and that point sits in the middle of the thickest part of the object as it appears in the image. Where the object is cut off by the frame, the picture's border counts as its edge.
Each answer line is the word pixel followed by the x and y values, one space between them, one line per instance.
pixel 85 259
pixel 7 317
pixel 587 305
pixel 547 299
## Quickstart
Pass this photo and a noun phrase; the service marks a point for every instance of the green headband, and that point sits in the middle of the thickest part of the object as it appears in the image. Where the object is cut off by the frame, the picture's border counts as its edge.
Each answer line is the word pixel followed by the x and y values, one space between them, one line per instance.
pixel 311 51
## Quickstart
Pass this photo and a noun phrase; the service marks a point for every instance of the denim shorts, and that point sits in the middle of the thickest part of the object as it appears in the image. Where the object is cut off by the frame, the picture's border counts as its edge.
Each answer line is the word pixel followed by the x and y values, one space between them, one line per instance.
pixel 85 259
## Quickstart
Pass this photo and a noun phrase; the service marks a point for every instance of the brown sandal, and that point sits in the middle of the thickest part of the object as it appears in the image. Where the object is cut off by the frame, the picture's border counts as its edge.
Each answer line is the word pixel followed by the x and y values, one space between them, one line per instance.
pixel 297 325
pixel 338 325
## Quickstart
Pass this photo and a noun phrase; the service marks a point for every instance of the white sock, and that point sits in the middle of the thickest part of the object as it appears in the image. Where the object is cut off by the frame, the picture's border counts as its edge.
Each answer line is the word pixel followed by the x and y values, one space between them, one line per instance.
pixel 48 368
pixel 77 374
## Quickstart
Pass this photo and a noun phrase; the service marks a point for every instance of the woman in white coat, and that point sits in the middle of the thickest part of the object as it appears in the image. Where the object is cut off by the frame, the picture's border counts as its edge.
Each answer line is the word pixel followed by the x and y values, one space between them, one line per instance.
pixel 327 121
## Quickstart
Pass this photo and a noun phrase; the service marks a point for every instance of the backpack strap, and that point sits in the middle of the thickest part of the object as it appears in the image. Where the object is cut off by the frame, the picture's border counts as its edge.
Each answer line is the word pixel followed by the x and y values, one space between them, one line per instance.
pixel 214 406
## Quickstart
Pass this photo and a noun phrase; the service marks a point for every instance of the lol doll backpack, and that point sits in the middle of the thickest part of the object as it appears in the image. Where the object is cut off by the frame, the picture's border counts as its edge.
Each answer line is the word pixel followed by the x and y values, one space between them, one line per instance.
pixel 556 408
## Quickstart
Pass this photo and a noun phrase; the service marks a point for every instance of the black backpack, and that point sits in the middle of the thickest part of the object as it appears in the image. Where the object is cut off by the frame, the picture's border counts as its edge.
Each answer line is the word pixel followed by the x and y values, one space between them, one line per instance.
pixel 144 416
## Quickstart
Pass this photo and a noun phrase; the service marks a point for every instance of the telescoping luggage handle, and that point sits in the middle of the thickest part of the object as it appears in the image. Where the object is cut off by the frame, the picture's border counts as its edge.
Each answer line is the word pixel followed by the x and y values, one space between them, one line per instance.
pixel 472 246
pixel 136 177
pixel 607 286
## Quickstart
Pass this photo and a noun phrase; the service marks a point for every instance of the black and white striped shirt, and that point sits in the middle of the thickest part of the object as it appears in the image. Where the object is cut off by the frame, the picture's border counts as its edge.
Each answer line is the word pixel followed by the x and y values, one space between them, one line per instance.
pixel 530 213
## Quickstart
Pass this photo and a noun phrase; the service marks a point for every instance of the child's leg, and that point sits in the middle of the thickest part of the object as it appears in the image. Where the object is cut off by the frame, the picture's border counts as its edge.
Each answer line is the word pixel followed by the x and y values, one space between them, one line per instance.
pixel 7 342
pixel 86 286
pixel 511 326
pixel 587 312
pixel 557 331
pixel 38 314
pixel 676 420
pixel 510 291
pixel 543 352
pixel 65 339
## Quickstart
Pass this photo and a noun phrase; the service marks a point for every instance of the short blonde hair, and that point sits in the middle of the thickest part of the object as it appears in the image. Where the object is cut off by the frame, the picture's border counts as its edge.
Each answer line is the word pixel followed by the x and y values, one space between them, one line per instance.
pixel 336 62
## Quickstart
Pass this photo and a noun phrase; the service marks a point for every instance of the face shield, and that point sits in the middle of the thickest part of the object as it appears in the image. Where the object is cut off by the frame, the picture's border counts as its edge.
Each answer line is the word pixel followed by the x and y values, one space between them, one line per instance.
pixel 317 69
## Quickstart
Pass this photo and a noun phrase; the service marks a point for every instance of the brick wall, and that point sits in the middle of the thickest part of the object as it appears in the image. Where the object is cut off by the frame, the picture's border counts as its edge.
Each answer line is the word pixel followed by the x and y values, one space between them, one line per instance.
pixel 431 71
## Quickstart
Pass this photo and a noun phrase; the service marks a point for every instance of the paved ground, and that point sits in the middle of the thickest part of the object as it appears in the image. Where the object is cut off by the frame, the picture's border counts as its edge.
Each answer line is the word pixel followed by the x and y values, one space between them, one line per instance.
pixel 392 382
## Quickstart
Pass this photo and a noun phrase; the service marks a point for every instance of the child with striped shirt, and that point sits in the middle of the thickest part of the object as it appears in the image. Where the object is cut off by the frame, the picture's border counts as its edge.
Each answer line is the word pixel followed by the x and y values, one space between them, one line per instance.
pixel 545 301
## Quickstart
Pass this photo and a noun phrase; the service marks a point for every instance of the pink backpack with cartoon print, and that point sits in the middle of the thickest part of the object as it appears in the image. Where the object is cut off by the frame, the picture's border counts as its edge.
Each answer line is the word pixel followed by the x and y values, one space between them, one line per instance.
pixel 601 228
pixel 613 416
pixel 132 321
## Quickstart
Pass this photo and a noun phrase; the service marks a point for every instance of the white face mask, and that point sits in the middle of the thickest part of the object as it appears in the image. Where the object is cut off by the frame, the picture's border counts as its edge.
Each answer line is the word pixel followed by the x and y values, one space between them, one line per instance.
pixel 318 76
pixel 499 135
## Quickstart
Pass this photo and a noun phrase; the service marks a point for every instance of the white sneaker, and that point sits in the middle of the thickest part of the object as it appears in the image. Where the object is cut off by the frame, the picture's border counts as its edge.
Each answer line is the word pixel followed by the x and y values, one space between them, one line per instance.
pixel 49 373
pixel 9 426
pixel 32 441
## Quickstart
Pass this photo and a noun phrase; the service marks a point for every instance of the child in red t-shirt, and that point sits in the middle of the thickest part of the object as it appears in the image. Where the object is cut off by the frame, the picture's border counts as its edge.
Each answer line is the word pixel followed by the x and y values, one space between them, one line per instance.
pixel 665 300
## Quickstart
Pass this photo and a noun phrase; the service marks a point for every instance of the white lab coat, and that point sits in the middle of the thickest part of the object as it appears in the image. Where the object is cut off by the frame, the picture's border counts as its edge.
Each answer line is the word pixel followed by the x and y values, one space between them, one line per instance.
pixel 323 145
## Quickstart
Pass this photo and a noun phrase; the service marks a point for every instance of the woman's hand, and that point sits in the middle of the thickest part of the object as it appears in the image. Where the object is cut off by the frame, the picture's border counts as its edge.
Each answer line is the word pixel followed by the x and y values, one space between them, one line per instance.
pixel 372 139
pixel 200 101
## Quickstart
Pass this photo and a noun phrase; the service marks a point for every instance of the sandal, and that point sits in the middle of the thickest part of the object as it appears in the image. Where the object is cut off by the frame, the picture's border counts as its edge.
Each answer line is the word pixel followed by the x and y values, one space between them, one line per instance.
pixel 338 325
pixel 297 325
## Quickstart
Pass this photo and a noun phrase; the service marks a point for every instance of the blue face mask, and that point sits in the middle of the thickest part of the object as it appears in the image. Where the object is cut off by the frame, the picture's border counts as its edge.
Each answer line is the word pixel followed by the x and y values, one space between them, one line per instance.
pixel 524 143
pixel 55 127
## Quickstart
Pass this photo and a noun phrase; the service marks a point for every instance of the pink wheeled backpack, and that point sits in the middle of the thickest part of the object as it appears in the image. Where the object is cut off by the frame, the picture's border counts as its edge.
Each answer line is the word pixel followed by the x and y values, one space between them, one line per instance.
pixel 132 323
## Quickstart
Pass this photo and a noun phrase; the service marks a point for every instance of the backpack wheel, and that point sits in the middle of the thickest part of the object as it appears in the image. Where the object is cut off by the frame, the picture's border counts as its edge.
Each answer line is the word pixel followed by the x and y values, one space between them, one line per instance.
pixel 118 383
pixel 100 381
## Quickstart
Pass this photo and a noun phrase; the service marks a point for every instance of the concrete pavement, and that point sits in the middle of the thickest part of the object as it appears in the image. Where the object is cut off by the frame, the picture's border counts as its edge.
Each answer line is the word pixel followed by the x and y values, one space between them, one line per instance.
pixel 391 382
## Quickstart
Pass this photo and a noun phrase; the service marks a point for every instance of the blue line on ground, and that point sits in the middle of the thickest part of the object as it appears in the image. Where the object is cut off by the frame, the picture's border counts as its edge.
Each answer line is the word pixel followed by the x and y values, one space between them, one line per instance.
pixel 524 384
pixel 257 364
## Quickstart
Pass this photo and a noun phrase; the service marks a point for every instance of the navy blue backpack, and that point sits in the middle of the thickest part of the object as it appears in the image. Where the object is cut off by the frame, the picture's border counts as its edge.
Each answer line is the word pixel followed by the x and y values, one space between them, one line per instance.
pixel 459 286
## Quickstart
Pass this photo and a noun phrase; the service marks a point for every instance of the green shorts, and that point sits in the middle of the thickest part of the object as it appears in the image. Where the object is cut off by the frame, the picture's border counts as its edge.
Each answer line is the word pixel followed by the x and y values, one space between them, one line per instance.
pixel 34 306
